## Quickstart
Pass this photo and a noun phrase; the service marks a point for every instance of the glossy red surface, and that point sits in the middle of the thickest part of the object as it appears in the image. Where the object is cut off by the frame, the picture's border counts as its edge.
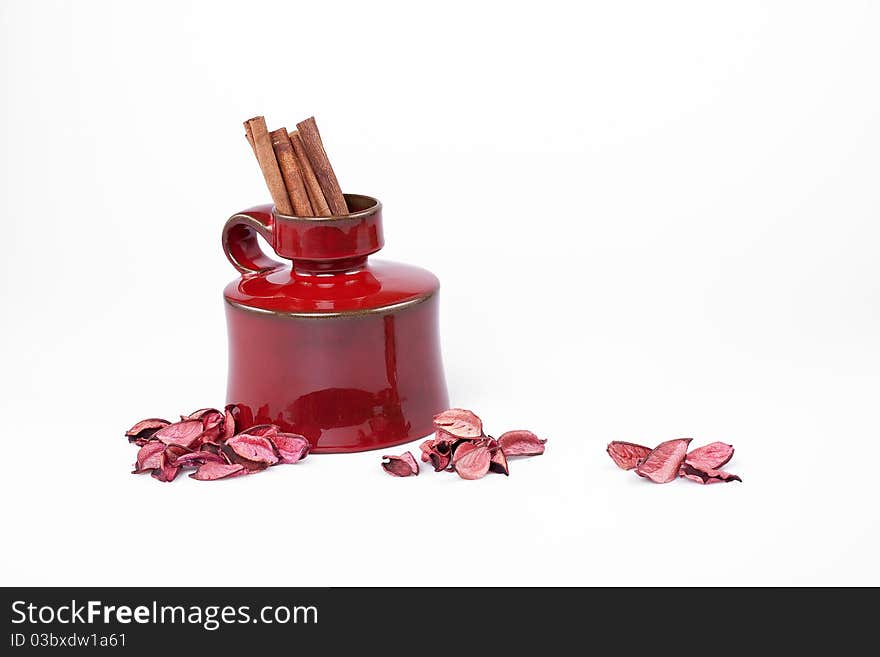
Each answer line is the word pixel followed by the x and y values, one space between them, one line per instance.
pixel 315 244
pixel 364 287
pixel 334 347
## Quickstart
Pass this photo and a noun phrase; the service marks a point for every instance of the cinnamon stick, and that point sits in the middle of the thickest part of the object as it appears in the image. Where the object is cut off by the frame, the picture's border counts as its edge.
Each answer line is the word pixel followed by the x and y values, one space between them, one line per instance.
pixel 250 136
pixel 317 156
pixel 268 165
pixel 291 174
pixel 313 187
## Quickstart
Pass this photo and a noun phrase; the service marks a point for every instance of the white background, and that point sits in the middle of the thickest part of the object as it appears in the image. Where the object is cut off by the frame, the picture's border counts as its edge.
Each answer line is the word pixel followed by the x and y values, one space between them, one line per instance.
pixel 649 220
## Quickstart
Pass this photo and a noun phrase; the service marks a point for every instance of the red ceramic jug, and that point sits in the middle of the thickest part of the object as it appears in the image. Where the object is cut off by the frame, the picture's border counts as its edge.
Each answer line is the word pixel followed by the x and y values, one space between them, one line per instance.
pixel 342 350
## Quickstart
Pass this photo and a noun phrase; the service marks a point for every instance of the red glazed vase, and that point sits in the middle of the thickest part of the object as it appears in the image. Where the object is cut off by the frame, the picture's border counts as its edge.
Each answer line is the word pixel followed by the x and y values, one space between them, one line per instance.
pixel 333 346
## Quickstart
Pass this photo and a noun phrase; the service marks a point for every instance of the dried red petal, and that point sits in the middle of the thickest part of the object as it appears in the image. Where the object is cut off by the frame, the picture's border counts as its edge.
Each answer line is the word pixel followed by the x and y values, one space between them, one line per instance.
pixel 444 437
pixel 440 462
pixel 183 433
pixel 228 424
pixel 209 446
pixel 212 423
pixel 212 471
pixel 459 422
pixel 471 460
pixel 199 414
pixel 148 457
pixel 521 443
pixel 213 448
pixel 234 459
pixel 707 476
pixel 438 450
pixel 290 447
pixel 662 463
pixel 174 452
pixel 167 471
pixel 144 430
pixel 404 465
pixel 242 416
pixel 266 430
pixel 710 457
pixel 198 458
pixel 253 448
pixel 426 447
pixel 627 455
pixel 498 461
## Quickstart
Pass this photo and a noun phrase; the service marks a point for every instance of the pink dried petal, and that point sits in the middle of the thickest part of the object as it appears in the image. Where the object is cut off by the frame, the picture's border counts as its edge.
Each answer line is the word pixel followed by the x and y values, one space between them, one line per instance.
pixel 472 460
pixel 242 416
pixel 404 465
pixel 266 430
pixel 453 447
pixel 440 462
pixel 627 455
pixel 426 447
pixel 444 437
pixel 521 443
pixel 211 471
pixel 144 430
pixel 710 457
pixel 213 423
pixel 290 447
pixel 234 459
pixel 662 463
pixel 228 425
pixel 165 474
pixel 707 476
pixel 148 457
pixel 443 442
pixel 498 461
pixel 198 458
pixel 438 451
pixel 460 423
pixel 167 471
pixel 199 414
pixel 183 433
pixel 174 452
pixel 253 448
pixel 225 453
pixel 213 448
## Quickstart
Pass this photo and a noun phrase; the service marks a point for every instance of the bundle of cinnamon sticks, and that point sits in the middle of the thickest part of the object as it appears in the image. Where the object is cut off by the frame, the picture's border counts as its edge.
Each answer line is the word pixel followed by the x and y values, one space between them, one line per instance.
pixel 296 168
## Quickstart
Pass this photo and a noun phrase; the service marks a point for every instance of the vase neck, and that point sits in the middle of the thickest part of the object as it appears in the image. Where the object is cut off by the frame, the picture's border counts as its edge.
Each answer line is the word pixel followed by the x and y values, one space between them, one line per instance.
pixel 317 267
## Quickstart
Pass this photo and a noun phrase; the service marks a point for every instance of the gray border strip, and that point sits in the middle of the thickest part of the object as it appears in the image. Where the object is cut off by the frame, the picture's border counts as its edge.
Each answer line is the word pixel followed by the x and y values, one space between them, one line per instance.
pixel 382 310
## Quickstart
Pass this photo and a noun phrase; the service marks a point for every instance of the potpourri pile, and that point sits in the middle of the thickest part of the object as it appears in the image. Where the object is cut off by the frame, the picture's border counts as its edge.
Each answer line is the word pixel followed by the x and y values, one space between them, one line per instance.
pixel 672 459
pixel 459 445
pixel 207 440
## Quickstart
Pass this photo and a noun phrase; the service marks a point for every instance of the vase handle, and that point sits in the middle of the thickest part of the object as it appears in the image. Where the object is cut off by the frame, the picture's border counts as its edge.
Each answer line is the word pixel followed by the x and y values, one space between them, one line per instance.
pixel 240 240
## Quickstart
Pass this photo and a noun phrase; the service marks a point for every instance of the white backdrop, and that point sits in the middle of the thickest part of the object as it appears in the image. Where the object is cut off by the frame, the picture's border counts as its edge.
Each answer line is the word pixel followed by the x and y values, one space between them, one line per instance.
pixel 649 220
